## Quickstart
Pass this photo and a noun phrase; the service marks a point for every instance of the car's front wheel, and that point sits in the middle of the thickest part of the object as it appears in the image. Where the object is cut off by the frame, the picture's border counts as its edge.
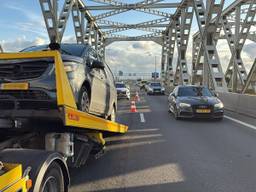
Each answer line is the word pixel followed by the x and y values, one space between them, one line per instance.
pixel 175 113
pixel 169 108
pixel 84 100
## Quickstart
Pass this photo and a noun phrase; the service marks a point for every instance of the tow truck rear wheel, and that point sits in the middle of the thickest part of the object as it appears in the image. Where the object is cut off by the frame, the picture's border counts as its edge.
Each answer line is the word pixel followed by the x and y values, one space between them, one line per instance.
pixel 53 180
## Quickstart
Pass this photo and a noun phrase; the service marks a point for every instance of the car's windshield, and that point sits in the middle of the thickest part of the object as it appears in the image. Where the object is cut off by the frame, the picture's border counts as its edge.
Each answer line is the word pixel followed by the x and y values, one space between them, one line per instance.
pixel 194 92
pixel 120 85
pixel 155 84
pixel 69 49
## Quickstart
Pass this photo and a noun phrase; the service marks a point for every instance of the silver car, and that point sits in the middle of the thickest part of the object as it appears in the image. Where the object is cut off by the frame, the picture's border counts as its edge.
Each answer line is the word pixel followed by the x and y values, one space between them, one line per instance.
pixel 123 91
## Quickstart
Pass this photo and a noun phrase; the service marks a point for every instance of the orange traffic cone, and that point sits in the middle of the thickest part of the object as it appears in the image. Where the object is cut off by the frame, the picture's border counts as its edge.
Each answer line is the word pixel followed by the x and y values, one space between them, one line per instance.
pixel 133 107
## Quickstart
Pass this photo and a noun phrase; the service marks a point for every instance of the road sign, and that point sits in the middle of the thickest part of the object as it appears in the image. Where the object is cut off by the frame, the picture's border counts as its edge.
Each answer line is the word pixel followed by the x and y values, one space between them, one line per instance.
pixel 155 75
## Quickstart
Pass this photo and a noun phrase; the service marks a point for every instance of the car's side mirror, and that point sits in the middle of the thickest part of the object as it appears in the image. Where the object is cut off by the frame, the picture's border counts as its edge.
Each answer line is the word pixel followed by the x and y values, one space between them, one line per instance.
pixel 98 64
pixel 216 94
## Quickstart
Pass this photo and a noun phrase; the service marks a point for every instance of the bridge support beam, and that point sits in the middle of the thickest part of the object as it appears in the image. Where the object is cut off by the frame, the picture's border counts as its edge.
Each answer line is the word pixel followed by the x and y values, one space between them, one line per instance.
pixel 78 23
pixel 183 23
pixel 55 23
pixel 170 54
pixel 197 64
pixel 164 57
pixel 236 74
pixel 213 75
pixel 250 85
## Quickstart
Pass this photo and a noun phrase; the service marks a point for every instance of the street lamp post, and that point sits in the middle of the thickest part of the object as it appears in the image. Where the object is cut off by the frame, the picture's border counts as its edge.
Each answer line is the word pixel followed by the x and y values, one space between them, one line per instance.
pixel 155 69
pixel 151 54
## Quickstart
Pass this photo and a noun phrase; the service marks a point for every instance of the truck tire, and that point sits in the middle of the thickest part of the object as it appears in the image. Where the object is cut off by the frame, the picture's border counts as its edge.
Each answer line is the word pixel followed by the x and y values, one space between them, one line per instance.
pixel 53 180
pixel 40 162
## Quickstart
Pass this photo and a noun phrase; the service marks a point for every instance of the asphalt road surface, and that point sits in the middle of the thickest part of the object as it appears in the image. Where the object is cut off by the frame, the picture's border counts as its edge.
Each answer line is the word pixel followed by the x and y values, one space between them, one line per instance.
pixel 161 154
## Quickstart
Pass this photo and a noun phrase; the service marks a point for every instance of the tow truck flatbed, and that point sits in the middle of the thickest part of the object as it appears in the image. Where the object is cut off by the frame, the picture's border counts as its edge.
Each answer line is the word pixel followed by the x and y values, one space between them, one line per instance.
pixel 58 146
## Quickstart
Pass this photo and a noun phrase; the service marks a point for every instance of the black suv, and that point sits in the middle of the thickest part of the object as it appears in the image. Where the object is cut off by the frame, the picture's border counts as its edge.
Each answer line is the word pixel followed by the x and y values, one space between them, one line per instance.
pixel 90 78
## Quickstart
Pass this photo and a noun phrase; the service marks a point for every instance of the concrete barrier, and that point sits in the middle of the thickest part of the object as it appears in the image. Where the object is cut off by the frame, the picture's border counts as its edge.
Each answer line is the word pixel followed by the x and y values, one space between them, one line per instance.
pixel 239 103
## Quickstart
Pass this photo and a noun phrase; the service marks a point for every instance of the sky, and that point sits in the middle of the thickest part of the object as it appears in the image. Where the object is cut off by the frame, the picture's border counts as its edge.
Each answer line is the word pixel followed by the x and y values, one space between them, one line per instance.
pixel 22 25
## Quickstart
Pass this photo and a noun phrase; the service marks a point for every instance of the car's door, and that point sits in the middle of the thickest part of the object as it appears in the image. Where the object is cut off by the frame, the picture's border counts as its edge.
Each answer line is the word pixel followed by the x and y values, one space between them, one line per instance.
pixel 98 86
pixel 111 94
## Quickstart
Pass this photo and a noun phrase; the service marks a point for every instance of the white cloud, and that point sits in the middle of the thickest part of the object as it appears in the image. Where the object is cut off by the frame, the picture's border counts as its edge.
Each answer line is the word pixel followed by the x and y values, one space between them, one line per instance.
pixel 69 39
pixel 224 53
pixel 247 54
pixel 21 43
pixel 34 22
pixel 132 57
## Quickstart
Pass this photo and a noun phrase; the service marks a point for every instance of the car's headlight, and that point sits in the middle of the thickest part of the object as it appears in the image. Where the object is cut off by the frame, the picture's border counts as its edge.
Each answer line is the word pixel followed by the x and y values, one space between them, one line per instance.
pixel 184 105
pixel 163 89
pixel 219 105
pixel 150 89
pixel 70 66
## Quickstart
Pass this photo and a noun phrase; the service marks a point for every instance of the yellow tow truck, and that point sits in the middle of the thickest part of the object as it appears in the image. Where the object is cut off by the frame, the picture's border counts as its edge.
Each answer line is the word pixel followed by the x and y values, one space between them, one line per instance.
pixel 45 169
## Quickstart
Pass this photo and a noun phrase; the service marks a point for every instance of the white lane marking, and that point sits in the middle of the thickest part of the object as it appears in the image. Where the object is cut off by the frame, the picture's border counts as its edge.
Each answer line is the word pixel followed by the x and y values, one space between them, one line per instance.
pixel 240 122
pixel 142 118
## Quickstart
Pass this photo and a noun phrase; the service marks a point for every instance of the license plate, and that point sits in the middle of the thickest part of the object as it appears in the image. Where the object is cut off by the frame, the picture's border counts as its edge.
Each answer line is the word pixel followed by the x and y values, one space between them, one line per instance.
pixel 203 111
pixel 14 86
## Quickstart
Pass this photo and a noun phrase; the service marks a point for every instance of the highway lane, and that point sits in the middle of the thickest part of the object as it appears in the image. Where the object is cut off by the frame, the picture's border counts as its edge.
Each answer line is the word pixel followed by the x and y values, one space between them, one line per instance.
pixel 162 154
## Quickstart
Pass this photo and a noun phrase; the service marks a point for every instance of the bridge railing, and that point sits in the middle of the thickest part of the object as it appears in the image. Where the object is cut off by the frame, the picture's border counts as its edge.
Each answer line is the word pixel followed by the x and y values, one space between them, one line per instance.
pixel 239 103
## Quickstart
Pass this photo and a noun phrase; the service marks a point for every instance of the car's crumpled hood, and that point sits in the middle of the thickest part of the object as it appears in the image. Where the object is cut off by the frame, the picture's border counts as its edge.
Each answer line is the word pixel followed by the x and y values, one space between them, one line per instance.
pixel 199 100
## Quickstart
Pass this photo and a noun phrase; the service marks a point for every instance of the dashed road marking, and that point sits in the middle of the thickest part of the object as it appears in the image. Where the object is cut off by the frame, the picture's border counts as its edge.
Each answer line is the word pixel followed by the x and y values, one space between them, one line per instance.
pixel 240 122
pixel 142 118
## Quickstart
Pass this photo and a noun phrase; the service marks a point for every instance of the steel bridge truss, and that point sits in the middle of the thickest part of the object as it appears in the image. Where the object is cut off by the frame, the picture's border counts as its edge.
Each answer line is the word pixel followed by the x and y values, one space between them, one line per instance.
pixel 172 32
pixel 235 22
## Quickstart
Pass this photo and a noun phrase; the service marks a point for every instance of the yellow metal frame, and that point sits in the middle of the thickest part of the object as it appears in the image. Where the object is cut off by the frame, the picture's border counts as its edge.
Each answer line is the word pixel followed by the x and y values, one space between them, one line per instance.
pixel 12 180
pixel 65 97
